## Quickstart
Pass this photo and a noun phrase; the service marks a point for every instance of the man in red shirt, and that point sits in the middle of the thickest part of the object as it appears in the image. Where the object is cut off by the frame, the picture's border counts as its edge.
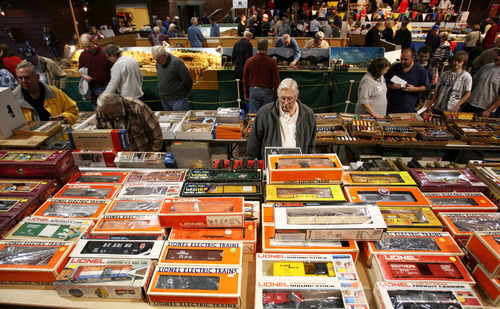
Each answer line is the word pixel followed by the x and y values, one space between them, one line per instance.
pixel 260 78
pixel 98 65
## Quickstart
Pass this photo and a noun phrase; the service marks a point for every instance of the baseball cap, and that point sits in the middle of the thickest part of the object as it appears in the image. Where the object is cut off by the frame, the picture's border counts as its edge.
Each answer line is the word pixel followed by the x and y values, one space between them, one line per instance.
pixel 435 27
pixel 29 53
pixel 319 36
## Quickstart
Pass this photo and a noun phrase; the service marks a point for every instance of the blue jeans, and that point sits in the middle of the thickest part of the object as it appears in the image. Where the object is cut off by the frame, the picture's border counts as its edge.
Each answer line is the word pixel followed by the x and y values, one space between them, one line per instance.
pixel 95 92
pixel 176 105
pixel 258 98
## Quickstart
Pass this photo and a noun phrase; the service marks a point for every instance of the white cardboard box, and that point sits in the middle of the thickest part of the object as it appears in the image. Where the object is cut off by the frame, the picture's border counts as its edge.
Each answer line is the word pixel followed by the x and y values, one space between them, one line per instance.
pixel 12 115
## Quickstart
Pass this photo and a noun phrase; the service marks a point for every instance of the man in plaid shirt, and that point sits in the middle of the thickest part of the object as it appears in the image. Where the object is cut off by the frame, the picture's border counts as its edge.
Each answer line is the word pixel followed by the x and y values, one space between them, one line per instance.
pixel 119 112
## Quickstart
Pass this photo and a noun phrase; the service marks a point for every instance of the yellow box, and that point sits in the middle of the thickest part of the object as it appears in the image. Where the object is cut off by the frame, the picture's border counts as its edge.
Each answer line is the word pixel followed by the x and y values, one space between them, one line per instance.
pixel 378 178
pixel 320 168
pixel 323 193
pixel 410 218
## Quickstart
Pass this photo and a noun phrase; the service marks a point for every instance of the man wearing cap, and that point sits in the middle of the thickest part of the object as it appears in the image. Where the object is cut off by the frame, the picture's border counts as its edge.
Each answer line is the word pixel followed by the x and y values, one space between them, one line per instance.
pixel 194 34
pixel 433 39
pixel 126 75
pixel 266 26
pixel 286 41
pixel 48 70
pixel 260 78
pixel 317 42
pixel 214 28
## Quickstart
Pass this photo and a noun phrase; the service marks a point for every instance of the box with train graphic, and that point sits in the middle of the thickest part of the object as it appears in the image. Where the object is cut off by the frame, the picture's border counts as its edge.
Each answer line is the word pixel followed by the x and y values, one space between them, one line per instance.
pixel 386 178
pixel 206 253
pixel 408 218
pixel 88 191
pixel 78 209
pixel 462 225
pixel 300 168
pixel 298 193
pixel 17 208
pixel 224 175
pixel 104 278
pixel 50 229
pixel 103 178
pixel 460 201
pixel 129 224
pixel 249 190
pixel 459 180
pixel 35 163
pixel 150 190
pixel 139 206
pixel 202 212
pixel 386 196
pixel 176 175
pixel 41 189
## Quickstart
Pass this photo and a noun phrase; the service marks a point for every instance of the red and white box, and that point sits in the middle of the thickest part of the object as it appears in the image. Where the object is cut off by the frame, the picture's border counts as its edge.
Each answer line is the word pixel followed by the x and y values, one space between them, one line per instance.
pixel 214 253
pixel 88 191
pixel 35 163
pixel 77 209
pixel 95 157
pixel 129 224
pixel 104 178
pixel 462 225
pixel 202 212
pixel 420 268
pixel 460 201
pixel 490 286
pixel 485 246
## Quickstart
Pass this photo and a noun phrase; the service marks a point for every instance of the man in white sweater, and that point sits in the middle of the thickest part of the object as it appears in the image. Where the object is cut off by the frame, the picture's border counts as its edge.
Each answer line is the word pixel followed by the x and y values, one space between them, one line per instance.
pixel 126 75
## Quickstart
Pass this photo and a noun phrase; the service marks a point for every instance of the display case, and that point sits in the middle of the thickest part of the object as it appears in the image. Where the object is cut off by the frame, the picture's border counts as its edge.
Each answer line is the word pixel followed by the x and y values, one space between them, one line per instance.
pixel 40 189
pixel 17 208
pixel 249 190
pixel 149 190
pixel 224 175
pixel 139 206
pixel 140 159
pixel 95 157
pixel 462 225
pixel 174 175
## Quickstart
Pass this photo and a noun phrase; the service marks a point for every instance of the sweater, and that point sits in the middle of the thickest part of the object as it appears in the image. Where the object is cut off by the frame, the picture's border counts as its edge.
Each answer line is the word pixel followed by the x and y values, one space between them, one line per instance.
pixel 174 80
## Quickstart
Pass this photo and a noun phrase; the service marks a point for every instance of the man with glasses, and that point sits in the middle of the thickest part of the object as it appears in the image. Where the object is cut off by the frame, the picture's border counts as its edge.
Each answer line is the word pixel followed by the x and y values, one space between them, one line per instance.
pixel 284 123
pixel 39 101
pixel 174 80
pixel 118 112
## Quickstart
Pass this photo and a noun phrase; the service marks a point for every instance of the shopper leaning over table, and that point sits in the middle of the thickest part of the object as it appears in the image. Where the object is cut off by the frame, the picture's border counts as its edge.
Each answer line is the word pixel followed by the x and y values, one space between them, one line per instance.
pixel 372 90
pixel 287 122
pixel 126 75
pixel 119 112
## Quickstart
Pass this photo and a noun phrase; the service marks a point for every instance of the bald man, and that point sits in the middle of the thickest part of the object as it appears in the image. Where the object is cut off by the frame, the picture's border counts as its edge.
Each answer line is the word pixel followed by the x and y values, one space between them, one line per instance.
pixel 286 41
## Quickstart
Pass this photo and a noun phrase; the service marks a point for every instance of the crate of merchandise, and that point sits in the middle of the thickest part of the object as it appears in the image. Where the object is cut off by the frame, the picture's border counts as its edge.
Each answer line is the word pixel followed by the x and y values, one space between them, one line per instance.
pixel 395 140
pixel 327 130
pixel 412 119
pixel 433 120
pixel 474 128
pixel 398 129
pixel 458 116
pixel 42 128
pixel 195 131
pixel 348 139
pixel 381 121
pixel 437 135
pixel 363 128
pixel 328 119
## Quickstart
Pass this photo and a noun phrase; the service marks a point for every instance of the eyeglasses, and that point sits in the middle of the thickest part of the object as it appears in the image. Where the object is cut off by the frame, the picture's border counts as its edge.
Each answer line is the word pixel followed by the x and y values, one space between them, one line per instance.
pixel 24 77
pixel 287 99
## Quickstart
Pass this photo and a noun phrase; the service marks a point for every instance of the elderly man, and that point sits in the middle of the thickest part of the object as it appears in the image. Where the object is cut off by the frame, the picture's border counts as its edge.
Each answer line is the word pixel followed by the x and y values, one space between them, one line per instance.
pixel 159 24
pixel 286 41
pixel 39 101
pixel 118 112
pixel 50 73
pixel 317 42
pixel 157 38
pixel 174 80
pixel 194 34
pixel 126 75
pixel 99 67
pixel 260 78
pixel 284 123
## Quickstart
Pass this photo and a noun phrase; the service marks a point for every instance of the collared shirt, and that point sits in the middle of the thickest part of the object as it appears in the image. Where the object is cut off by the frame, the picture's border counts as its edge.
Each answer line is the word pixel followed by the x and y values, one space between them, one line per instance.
pixel 214 30
pixel 314 26
pixel 399 101
pixel 261 71
pixel 293 45
pixel 288 125
pixel 99 66
pixel 487 86
pixel 195 36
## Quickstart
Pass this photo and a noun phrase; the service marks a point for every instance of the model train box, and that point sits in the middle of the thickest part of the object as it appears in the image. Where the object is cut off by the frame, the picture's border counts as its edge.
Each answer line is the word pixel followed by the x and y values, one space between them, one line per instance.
pixel 308 294
pixel 394 295
pixel 249 190
pixel 386 196
pixel 77 209
pixel 95 157
pixel 487 172
pixel 386 178
pixel 129 224
pixel 490 286
pixel 88 191
pixel 485 246
pixel 176 175
pixel 359 222
pixel 41 128
pixel 31 261
pixel 6 224
pixel 99 139
pixel 460 202
pixel 297 193
pixel 17 207
pixel 50 229
pixel 412 243
pixel 299 168
pixel 140 159
pixel 139 206
pixel 408 218
pixel 462 225
pixel 104 278
pixel 35 163
pixel 202 212
pixel 41 189
pixel 324 267
pixel 460 180
pixel 150 190
pixel 206 253
pixel 420 268
pixel 248 235
pixel 224 175
pixel 195 286
pixel 119 247
pixel 103 178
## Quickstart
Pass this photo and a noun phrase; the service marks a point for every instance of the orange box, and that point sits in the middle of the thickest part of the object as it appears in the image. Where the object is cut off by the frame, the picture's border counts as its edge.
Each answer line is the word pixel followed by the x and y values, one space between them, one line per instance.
pixel 386 196
pixel 405 218
pixel 388 178
pixel 106 178
pixel 323 193
pixel 32 261
pixel 486 247
pixel 299 168
pixel 412 243
pixel 462 225
pixel 460 201
pixel 192 285
pixel 206 253
pixel 248 235
pixel 77 209
pixel 202 212
pixel 88 191
pixel 490 287
pixel 132 224
pixel 138 206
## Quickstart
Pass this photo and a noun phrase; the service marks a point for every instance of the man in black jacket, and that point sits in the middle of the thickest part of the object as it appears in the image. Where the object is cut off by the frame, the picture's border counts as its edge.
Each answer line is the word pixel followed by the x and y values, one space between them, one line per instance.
pixel 373 36
pixel 403 36
pixel 242 50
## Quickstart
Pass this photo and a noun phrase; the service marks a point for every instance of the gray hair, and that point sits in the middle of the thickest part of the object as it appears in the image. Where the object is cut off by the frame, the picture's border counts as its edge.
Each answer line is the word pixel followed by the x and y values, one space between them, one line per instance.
pixel 156 29
pixel 108 99
pixel 171 27
pixel 112 50
pixel 27 64
pixel 85 37
pixel 289 84
pixel 159 50
pixel 248 34
pixel 194 19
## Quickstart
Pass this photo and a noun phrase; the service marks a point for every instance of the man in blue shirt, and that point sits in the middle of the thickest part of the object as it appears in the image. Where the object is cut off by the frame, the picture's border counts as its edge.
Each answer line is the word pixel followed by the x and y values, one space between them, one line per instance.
pixel 402 98
pixel 194 34
pixel 288 42
pixel 214 29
